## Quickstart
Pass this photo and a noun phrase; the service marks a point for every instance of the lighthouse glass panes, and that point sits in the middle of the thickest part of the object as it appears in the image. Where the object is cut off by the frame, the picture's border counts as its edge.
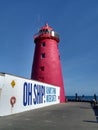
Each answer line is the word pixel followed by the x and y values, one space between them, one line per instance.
pixel 44 31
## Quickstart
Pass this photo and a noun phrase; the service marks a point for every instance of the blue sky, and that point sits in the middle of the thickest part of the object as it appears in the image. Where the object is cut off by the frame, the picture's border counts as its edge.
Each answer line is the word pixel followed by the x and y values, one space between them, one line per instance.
pixel 77 23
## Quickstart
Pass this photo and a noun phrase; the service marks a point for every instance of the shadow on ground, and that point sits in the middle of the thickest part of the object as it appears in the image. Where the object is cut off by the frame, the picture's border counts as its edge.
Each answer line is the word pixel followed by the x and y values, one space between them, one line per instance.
pixel 89 121
pixel 95 108
pixel 96 113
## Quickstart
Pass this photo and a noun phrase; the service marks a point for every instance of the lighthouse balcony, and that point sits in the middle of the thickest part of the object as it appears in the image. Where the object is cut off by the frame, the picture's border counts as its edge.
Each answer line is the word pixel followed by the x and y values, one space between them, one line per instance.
pixel 47 34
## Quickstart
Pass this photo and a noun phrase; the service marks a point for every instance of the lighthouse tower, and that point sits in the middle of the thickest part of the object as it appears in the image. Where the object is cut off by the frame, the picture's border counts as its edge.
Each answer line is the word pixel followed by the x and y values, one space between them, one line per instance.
pixel 46 64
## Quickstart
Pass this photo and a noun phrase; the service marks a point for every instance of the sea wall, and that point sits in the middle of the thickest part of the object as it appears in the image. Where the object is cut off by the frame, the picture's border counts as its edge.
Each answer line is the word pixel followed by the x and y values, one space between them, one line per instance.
pixel 19 94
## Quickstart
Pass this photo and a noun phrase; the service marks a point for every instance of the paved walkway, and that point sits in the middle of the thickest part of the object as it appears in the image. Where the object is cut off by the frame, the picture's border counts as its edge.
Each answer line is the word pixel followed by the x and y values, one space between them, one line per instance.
pixel 69 116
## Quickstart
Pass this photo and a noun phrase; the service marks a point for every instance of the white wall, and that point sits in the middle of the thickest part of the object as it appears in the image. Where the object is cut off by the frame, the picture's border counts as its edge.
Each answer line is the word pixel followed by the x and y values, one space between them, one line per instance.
pixel 20 94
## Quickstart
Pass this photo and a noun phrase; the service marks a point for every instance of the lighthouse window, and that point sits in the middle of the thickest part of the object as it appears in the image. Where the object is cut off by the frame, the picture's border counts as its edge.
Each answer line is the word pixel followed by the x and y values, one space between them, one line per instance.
pixel 43 44
pixel 43 55
pixel 46 31
pixel 42 68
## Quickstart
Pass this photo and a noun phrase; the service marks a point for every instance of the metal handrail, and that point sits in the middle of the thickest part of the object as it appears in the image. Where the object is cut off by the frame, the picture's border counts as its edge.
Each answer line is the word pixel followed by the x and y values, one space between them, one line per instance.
pixel 52 33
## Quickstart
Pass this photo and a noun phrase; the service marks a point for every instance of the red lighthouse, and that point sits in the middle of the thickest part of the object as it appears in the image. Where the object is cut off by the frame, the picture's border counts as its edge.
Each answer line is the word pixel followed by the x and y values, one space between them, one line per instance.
pixel 46 64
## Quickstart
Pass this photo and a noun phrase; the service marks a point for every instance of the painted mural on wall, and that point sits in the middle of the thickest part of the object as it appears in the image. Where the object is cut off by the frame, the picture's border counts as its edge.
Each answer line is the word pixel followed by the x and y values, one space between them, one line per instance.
pixel 23 94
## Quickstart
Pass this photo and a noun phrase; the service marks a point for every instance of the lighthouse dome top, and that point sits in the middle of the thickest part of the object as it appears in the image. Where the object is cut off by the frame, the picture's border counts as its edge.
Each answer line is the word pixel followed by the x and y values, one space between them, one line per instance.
pixel 46 26
pixel 46 32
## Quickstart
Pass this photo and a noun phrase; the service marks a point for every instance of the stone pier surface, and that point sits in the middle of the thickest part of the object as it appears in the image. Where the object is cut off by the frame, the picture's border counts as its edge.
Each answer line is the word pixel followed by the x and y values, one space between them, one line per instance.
pixel 69 116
